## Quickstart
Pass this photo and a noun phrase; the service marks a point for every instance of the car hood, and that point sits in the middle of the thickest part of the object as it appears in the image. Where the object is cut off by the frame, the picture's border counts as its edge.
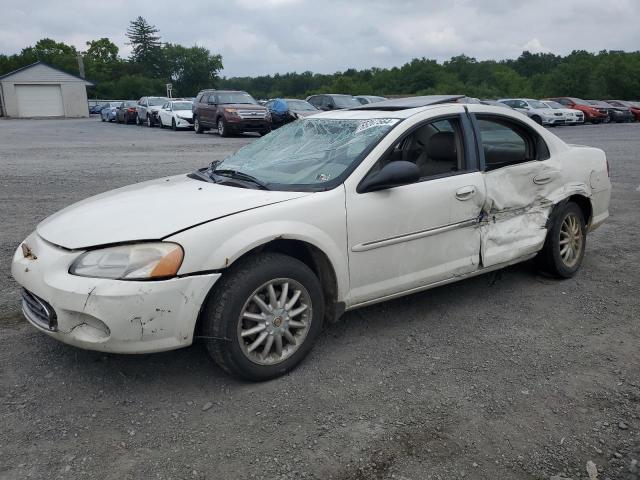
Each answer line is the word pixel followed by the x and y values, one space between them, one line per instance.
pixel 150 211
pixel 243 106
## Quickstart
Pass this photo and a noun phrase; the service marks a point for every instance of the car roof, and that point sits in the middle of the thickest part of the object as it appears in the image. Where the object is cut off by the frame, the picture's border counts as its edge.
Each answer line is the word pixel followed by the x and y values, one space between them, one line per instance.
pixel 406 103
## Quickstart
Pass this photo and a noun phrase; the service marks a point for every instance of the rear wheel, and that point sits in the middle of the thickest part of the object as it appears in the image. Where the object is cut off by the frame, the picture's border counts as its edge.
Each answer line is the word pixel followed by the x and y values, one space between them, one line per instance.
pixel 564 247
pixel 537 119
pixel 264 316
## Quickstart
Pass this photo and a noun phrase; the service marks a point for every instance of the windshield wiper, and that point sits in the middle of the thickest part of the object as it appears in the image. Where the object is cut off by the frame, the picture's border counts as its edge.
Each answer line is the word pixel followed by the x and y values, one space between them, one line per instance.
pixel 235 174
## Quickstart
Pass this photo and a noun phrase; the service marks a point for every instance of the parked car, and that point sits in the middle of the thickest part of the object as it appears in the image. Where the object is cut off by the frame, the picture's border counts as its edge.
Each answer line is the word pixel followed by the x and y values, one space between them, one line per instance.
pixel 469 100
pixel 126 112
pixel 329 213
pixel 615 114
pixel 495 103
pixel 333 101
pixel 572 116
pixel 591 114
pixel 97 108
pixel 285 110
pixel 108 113
pixel 176 114
pixel 365 99
pixel 536 110
pixel 229 111
pixel 634 108
pixel 147 110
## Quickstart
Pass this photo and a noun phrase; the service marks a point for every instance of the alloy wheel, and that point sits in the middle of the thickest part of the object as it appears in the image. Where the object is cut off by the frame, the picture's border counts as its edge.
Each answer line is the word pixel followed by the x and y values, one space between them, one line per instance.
pixel 274 321
pixel 571 240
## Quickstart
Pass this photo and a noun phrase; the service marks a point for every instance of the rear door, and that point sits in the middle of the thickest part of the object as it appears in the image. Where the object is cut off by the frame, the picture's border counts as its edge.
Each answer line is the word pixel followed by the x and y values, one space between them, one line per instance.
pixel 519 177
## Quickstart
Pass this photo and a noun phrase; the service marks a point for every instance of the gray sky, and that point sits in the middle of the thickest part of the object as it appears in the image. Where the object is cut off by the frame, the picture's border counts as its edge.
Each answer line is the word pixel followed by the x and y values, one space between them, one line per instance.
pixel 268 36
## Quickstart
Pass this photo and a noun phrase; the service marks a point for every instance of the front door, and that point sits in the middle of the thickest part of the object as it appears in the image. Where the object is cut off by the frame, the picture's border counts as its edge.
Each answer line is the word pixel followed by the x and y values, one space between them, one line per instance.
pixel 404 238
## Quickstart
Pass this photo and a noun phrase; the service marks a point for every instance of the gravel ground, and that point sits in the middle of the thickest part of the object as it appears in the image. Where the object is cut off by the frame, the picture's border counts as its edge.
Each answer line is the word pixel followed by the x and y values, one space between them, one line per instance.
pixel 510 375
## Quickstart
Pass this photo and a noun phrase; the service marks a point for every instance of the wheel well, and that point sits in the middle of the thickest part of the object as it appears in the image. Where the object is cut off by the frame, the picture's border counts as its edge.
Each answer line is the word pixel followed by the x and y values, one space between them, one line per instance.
pixel 317 261
pixel 585 205
pixel 311 256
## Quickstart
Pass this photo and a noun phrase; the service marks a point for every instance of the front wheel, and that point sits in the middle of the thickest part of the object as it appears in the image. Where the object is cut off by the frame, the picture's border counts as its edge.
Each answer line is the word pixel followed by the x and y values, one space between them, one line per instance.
pixel 222 128
pixel 174 127
pixel 264 316
pixel 197 127
pixel 149 121
pixel 564 247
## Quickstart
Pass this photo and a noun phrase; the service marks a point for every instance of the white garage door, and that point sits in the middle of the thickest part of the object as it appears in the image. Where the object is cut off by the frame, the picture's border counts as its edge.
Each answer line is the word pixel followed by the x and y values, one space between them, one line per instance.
pixel 39 101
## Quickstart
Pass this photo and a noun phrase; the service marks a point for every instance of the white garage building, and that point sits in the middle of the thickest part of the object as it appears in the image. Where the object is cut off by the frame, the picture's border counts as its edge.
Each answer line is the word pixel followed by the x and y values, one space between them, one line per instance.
pixel 40 90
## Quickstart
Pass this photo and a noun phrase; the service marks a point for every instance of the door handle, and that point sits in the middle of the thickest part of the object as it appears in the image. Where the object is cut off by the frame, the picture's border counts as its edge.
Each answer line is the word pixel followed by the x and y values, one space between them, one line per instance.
pixel 542 178
pixel 465 193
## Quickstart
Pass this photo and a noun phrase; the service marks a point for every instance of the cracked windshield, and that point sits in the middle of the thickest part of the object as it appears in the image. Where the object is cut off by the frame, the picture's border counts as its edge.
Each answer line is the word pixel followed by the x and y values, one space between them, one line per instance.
pixel 308 152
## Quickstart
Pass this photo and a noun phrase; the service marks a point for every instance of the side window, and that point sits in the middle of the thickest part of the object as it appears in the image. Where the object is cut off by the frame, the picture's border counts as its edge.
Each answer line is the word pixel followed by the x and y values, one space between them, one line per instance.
pixel 564 101
pixel 437 148
pixel 505 143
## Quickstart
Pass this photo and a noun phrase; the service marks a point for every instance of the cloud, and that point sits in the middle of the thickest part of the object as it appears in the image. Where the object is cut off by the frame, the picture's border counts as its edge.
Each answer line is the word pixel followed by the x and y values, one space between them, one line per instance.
pixel 269 36
pixel 535 46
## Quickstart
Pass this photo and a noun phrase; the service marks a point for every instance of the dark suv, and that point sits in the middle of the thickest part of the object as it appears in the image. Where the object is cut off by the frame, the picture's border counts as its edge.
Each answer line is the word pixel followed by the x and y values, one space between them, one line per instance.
pixel 229 111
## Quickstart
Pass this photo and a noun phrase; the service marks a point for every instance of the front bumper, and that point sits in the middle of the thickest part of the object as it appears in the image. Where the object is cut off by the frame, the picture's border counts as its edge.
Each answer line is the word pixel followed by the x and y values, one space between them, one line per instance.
pixel 553 121
pixel 109 315
pixel 242 125
pixel 184 122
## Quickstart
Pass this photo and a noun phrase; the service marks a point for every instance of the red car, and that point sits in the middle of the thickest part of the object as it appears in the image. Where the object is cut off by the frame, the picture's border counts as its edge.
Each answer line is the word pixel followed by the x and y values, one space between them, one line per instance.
pixel 591 113
pixel 633 107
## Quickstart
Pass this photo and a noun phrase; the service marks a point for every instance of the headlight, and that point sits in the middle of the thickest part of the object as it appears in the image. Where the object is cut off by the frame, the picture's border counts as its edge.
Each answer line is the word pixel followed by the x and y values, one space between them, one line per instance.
pixel 140 261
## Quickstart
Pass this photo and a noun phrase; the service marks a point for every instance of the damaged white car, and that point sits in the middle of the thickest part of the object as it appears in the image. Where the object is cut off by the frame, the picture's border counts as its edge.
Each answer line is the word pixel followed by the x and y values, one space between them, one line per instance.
pixel 329 213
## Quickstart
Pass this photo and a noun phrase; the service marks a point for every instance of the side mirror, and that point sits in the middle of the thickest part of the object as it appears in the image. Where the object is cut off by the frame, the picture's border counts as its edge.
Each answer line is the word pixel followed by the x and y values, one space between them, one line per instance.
pixel 393 174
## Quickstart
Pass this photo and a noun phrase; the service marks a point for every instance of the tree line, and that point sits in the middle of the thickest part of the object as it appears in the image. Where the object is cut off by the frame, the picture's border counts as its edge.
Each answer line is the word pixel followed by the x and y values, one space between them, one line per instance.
pixel 604 75
pixel 152 64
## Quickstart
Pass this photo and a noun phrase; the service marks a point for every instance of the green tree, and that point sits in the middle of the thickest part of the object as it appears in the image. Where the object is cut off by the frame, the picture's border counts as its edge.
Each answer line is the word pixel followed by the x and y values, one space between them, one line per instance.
pixel 57 54
pixel 145 46
pixel 101 59
pixel 190 68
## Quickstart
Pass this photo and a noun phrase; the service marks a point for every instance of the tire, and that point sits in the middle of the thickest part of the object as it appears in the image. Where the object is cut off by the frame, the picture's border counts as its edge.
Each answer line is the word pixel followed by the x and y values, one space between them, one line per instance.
pixel 149 121
pixel 233 297
pixel 196 126
pixel 174 127
pixel 223 131
pixel 537 119
pixel 160 122
pixel 567 225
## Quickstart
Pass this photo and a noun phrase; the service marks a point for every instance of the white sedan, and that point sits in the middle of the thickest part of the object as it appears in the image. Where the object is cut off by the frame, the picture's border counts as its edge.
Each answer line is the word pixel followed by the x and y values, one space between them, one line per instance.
pixel 176 114
pixel 330 213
